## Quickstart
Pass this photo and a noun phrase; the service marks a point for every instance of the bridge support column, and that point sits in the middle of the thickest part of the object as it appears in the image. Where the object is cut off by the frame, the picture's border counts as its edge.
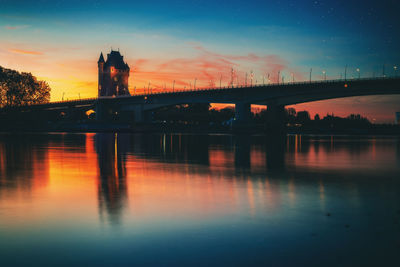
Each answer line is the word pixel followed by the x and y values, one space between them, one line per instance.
pixel 276 121
pixel 140 115
pixel 101 111
pixel 73 113
pixel 242 114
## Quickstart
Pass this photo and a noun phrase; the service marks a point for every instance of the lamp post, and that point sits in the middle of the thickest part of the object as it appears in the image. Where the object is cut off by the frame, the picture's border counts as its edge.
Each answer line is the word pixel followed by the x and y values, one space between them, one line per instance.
pixel 383 71
pixel 232 72
pixel 324 73
pixel 310 74
pixel 173 86
pixel 345 73
pixel 292 75
pixel 63 96
pixel 194 86
pixel 395 69
pixel 358 70
pixel 279 74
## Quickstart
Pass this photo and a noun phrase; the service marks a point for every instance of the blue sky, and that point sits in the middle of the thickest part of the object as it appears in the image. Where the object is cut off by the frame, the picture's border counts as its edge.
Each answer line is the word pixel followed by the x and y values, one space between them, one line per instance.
pixel 60 40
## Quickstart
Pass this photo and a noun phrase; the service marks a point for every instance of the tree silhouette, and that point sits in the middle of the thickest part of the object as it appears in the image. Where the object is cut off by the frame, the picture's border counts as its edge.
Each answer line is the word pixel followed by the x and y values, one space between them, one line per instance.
pixel 23 88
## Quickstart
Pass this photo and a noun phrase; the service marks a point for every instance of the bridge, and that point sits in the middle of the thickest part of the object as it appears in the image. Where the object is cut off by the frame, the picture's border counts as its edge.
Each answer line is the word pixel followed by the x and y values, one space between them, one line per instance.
pixel 274 96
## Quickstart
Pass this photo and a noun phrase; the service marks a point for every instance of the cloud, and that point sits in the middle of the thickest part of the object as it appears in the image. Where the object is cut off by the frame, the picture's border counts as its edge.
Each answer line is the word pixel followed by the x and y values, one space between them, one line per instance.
pixel 208 68
pixel 25 52
pixel 16 27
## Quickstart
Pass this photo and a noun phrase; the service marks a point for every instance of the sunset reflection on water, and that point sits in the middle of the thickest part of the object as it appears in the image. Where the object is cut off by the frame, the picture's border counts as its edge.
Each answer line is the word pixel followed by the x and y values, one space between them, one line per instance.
pixel 114 188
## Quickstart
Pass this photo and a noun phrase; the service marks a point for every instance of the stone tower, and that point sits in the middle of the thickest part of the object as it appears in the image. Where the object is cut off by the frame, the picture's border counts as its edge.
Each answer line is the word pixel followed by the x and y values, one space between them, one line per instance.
pixel 113 75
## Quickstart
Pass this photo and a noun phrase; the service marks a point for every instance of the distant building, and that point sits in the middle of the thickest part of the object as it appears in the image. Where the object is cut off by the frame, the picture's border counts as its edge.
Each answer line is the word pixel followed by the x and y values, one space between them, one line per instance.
pixel 113 75
pixel 397 119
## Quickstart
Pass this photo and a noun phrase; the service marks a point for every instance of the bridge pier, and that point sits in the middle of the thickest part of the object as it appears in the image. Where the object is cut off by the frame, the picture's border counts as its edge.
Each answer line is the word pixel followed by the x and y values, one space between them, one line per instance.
pixel 242 114
pixel 276 120
pixel 101 111
pixel 138 114
pixel 141 115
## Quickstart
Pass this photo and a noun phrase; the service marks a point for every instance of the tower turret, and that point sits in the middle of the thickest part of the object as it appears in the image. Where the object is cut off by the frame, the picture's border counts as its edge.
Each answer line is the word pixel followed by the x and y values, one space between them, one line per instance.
pixel 100 64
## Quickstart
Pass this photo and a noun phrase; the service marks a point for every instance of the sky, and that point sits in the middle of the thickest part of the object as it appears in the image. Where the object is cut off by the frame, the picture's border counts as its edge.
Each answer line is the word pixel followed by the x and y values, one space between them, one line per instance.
pixel 163 41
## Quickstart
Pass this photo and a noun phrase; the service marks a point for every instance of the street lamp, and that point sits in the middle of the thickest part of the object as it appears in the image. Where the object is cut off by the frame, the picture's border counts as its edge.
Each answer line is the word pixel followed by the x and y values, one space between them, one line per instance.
pixel 383 71
pixel 395 68
pixel 291 74
pixel 324 73
pixel 279 73
pixel 358 70
pixel 232 74
pixel 310 74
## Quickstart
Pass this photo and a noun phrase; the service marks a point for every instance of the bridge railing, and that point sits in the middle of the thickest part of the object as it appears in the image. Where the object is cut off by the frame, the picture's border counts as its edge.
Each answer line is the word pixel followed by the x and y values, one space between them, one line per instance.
pixel 204 89
pixel 199 89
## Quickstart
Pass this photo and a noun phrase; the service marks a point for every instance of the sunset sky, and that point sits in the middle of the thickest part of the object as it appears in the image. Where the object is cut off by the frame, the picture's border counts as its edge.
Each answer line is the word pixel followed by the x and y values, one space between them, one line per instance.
pixel 162 41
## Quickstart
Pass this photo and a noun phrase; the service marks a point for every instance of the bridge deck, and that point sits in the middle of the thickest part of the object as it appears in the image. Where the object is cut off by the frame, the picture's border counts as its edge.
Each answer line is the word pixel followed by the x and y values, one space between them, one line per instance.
pixel 331 89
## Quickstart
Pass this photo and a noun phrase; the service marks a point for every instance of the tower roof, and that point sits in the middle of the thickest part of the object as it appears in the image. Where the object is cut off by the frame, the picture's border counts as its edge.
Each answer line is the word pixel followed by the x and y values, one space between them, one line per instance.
pixel 115 59
pixel 101 58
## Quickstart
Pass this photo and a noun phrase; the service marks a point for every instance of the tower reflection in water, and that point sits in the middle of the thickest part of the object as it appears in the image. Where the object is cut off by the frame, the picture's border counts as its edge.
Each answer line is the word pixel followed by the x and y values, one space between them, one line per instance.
pixel 163 171
pixel 235 159
pixel 112 186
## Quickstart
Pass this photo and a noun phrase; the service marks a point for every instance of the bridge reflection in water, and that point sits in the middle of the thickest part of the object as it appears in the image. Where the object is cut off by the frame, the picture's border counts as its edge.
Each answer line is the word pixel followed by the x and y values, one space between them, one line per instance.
pixel 152 174
pixel 114 150
pixel 158 160
pixel 170 195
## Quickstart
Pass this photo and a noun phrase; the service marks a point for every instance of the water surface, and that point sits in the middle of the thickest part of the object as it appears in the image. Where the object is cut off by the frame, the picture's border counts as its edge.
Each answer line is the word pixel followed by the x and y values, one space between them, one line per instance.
pixel 158 199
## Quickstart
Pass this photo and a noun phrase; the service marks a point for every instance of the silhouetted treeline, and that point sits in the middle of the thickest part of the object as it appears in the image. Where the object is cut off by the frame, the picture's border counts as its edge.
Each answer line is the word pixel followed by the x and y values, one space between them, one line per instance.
pixel 200 113
pixel 186 114
pixel 21 88
pixel 296 121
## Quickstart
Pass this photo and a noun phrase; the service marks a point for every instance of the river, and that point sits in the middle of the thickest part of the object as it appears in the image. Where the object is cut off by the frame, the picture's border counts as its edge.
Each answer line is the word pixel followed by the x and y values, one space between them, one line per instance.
pixel 183 199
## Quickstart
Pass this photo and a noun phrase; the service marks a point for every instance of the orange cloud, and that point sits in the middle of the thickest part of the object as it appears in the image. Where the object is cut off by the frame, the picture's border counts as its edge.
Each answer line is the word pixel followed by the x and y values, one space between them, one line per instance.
pixel 17 27
pixel 208 68
pixel 25 52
